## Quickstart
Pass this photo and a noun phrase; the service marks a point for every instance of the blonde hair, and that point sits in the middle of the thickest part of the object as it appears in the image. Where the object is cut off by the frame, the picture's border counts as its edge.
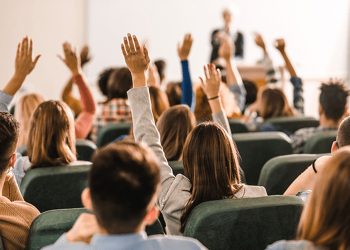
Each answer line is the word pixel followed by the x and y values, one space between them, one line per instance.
pixel 51 140
pixel 24 109
pixel 326 219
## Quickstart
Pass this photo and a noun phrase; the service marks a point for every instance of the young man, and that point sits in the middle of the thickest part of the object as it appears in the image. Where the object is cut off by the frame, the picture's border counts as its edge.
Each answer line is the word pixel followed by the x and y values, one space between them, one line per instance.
pixel 122 194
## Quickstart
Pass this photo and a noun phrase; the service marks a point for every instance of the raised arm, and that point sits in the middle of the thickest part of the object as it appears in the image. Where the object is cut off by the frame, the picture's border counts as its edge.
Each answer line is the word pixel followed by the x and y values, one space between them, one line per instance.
pixel 298 99
pixel 83 123
pixel 211 88
pixel 183 51
pixel 266 61
pixel 234 80
pixel 145 130
pixel 24 65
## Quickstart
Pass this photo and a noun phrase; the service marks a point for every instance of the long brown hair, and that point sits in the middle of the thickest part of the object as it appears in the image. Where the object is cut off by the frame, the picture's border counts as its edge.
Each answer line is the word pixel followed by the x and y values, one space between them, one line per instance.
pixel 51 140
pixel 273 103
pixel 174 125
pixel 210 161
pixel 24 109
pixel 326 218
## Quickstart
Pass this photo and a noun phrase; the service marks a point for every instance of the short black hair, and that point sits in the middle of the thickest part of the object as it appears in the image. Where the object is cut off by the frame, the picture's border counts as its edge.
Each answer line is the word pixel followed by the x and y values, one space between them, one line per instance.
pixel 119 82
pixel 102 80
pixel 252 91
pixel 333 99
pixel 9 132
pixel 123 180
pixel 343 135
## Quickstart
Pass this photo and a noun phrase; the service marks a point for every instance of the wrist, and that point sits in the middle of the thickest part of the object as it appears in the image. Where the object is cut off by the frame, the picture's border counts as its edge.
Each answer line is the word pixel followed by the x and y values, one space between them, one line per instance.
pixel 19 77
pixel 139 79
pixel 76 72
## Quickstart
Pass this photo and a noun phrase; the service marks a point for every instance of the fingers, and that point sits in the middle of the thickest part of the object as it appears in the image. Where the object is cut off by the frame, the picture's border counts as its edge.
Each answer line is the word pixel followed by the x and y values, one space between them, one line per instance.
pixel 124 50
pixel 131 44
pixel 206 72
pixel 24 50
pixel 145 52
pixel 137 44
pixel 126 46
pixel 36 59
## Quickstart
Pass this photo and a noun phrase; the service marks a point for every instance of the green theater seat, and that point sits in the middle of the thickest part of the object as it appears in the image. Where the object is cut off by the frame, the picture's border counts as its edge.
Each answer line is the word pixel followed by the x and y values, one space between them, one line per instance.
pixel 111 132
pixel 244 224
pixel 237 126
pixel 320 143
pixel 50 225
pixel 85 149
pixel 177 167
pixel 292 124
pixel 279 172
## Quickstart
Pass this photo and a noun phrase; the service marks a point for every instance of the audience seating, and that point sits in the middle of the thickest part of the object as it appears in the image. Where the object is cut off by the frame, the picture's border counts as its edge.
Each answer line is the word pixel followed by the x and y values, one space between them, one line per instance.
pixel 244 224
pixel 111 132
pixel 279 172
pixel 237 126
pixel 291 124
pixel 55 187
pixel 320 143
pixel 85 149
pixel 257 148
pixel 177 167
pixel 50 225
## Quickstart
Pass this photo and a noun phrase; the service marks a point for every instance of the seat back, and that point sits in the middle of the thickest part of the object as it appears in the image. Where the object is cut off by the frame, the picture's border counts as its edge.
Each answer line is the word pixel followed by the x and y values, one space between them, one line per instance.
pixel 111 132
pixel 50 225
pixel 320 143
pixel 245 224
pixel 292 124
pixel 279 172
pixel 237 126
pixel 55 187
pixel 257 148
pixel 177 167
pixel 85 149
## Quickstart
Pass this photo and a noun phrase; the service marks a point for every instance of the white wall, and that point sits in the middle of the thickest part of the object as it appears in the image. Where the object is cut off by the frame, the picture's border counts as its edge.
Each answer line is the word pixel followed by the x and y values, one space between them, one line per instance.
pixel 316 30
pixel 49 23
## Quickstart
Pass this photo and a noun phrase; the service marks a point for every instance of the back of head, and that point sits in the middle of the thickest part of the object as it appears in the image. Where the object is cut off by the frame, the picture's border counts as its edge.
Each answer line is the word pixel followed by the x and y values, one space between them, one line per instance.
pixel 9 130
pixel 161 66
pixel 119 82
pixel 252 91
pixel 333 99
pixel 326 218
pixel 211 163
pixel 51 139
pixel 24 109
pixel 174 93
pixel 343 134
pixel 159 102
pixel 273 103
pixel 174 125
pixel 123 180
pixel 103 78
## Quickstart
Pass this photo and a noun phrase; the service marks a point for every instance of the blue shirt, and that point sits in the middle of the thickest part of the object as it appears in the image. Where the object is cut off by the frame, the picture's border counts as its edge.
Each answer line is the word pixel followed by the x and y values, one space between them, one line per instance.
pixel 129 241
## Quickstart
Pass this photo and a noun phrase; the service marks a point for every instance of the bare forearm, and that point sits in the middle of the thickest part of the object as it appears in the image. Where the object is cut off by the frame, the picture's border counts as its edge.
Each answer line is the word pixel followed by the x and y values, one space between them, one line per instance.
pixel 232 74
pixel 288 63
pixel 14 84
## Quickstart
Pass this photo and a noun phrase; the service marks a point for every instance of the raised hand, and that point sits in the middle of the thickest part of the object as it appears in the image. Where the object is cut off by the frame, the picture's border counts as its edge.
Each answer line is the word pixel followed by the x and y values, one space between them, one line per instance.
pixel 85 55
pixel 259 41
pixel 24 63
pixel 153 76
pixel 211 85
pixel 184 49
pixel 226 48
pixel 70 59
pixel 83 229
pixel 280 44
pixel 136 58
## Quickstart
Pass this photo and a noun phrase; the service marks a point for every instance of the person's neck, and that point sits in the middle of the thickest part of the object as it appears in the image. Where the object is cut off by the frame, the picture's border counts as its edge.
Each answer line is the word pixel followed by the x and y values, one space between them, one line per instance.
pixel 227 28
pixel 328 123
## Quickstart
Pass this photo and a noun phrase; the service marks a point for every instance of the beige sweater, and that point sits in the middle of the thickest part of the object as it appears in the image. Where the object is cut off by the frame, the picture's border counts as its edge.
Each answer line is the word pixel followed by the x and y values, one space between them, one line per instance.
pixel 16 216
pixel 175 190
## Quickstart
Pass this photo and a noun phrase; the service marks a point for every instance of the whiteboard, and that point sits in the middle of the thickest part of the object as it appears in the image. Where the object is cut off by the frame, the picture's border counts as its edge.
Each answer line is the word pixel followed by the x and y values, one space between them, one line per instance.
pixel 317 31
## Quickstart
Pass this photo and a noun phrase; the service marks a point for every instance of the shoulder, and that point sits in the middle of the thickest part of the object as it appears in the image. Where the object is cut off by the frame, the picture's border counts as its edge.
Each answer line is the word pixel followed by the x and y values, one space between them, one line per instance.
pixel 289 245
pixel 249 191
pixel 176 242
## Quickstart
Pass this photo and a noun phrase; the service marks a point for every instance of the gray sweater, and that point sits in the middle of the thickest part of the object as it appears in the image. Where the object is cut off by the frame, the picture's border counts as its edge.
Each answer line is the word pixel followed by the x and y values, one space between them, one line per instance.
pixel 175 190
pixel 294 245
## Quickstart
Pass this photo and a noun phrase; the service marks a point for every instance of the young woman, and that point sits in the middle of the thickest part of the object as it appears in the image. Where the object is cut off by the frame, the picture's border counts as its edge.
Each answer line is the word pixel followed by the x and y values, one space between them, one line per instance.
pixel 324 224
pixel 210 157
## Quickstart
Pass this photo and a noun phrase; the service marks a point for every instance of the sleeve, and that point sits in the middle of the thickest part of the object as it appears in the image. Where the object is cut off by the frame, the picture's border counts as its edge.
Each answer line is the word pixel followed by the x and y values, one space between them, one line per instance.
pixel 145 131
pixel 298 99
pixel 5 101
pixel 84 122
pixel 186 85
pixel 222 120
pixel 63 243
pixel 240 93
pixel 68 98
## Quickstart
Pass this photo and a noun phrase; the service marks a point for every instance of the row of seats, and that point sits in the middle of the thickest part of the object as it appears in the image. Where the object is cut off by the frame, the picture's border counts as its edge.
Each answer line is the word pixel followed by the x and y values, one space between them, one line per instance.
pixel 249 223
pixel 60 187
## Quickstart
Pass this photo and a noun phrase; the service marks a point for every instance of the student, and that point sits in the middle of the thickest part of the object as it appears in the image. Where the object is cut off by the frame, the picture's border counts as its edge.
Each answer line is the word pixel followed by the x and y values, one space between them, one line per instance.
pixel 24 109
pixel 325 221
pixel 307 179
pixel 16 215
pixel 174 125
pixel 174 93
pixel 266 61
pixel 209 156
pixel 123 185
pixel 159 102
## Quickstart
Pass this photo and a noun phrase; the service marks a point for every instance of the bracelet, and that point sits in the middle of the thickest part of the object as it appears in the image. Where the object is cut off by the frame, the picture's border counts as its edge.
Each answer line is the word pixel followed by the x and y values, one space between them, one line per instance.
pixel 213 98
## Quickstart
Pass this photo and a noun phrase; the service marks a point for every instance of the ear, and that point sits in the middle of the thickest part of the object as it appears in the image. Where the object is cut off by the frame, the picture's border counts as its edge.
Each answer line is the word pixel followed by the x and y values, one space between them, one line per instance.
pixel 12 160
pixel 86 198
pixel 151 216
pixel 334 147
